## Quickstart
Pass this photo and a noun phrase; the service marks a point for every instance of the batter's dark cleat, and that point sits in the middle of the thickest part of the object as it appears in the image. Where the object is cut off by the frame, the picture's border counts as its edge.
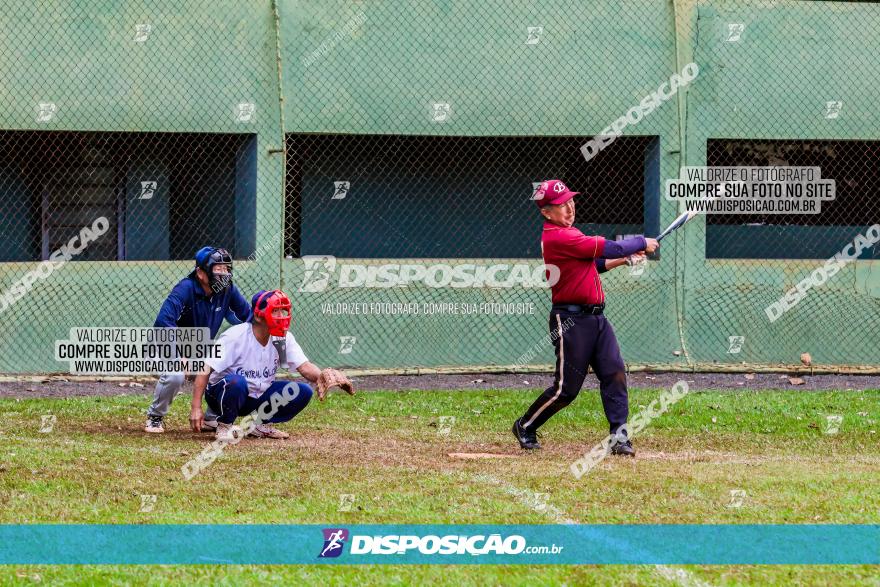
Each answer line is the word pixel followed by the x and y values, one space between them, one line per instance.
pixel 623 449
pixel 528 439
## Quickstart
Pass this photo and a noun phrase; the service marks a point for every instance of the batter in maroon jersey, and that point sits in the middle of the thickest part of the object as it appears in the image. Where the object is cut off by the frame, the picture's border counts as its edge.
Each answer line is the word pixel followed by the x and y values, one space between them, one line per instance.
pixel 581 334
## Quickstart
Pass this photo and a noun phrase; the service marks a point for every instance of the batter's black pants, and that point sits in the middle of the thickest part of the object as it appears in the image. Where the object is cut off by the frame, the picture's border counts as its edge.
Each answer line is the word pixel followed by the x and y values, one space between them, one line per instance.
pixel 582 340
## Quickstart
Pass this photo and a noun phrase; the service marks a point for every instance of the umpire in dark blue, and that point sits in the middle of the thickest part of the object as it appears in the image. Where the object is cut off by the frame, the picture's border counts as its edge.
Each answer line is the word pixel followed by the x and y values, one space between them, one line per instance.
pixel 202 299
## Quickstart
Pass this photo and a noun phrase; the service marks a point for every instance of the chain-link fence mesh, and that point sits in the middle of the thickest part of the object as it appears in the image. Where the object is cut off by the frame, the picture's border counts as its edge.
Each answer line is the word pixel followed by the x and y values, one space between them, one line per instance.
pixel 785 84
pixel 147 124
pixel 379 160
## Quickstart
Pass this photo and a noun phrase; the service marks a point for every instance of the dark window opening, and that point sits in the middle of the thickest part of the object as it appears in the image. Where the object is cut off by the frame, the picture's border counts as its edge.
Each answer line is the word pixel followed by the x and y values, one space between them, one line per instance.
pixel 852 164
pixel 164 195
pixel 385 196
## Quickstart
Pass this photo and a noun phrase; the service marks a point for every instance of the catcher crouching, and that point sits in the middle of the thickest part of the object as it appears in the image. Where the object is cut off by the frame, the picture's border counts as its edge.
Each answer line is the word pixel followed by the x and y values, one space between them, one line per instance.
pixel 242 380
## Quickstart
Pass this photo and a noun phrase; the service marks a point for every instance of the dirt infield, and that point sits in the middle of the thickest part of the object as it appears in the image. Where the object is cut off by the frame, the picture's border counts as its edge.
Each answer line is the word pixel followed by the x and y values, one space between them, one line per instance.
pixel 697 381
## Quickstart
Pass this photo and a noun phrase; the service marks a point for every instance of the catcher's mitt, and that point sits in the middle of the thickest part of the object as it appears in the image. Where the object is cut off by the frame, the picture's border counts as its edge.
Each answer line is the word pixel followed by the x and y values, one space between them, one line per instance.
pixel 333 378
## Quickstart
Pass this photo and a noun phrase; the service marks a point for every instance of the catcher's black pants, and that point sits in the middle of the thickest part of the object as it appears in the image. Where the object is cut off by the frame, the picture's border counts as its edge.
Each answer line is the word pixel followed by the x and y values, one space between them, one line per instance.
pixel 582 340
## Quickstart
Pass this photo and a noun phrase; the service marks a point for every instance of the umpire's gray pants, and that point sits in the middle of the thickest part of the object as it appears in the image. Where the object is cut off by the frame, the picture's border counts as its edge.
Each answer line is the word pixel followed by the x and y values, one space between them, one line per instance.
pixel 166 390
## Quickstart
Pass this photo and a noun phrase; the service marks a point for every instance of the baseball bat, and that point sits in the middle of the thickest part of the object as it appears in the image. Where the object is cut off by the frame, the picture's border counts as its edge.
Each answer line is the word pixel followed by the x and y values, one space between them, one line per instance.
pixel 683 218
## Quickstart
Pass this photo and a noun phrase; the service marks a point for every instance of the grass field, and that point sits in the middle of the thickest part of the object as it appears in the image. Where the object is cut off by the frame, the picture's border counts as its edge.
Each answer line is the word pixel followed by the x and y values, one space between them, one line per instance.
pixel 388 450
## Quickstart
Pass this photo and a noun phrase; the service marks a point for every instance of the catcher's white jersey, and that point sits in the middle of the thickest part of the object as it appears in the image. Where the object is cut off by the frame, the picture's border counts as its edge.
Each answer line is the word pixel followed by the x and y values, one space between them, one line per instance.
pixel 244 355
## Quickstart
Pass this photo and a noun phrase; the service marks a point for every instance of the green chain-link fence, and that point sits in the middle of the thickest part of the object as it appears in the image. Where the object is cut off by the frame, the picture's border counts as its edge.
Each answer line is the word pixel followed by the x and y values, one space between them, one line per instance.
pixel 335 147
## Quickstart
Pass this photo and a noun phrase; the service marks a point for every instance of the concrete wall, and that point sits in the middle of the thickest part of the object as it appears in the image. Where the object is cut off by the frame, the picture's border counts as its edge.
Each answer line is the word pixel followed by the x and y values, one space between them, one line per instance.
pixel 379 67
pixel 188 74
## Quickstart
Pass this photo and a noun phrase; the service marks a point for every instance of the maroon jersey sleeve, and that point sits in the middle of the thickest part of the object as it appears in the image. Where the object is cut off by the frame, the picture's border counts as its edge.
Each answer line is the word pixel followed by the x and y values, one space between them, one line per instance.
pixel 581 246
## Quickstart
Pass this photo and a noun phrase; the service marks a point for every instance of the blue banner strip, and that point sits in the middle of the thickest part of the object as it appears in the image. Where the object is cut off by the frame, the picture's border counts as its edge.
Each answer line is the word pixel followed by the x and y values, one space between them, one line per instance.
pixel 440 544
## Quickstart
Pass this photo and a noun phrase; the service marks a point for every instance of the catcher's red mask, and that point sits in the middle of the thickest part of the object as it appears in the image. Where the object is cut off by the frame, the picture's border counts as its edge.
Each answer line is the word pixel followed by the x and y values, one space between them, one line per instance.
pixel 266 303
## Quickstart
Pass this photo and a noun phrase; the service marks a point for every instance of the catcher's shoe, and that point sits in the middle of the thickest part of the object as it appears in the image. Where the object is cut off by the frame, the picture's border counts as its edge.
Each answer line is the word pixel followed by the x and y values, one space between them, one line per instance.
pixel 209 425
pixel 228 432
pixel 623 449
pixel 528 439
pixel 154 425
pixel 268 431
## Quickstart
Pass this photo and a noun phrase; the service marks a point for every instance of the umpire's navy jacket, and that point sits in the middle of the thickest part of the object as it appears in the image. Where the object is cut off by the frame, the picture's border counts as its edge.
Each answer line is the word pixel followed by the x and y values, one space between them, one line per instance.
pixel 188 306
